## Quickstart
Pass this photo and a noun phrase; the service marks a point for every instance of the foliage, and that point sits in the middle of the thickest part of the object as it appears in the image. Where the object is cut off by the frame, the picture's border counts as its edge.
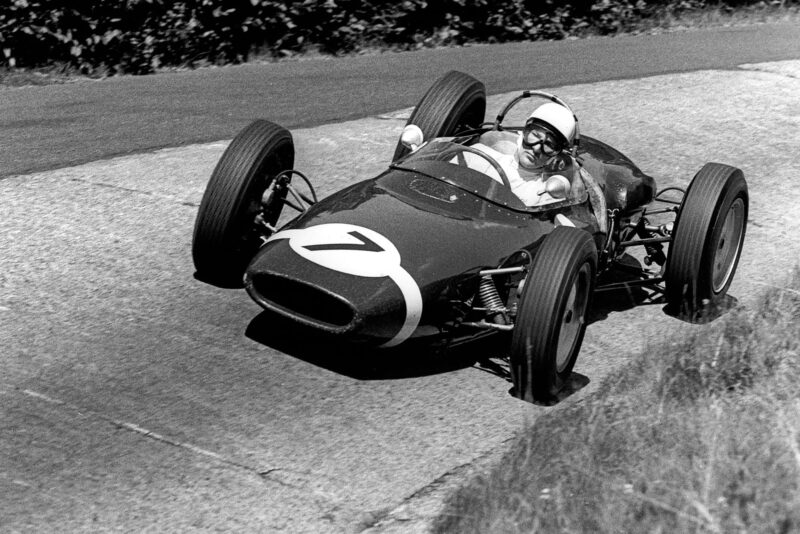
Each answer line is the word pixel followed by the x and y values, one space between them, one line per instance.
pixel 700 434
pixel 139 36
pixel 135 35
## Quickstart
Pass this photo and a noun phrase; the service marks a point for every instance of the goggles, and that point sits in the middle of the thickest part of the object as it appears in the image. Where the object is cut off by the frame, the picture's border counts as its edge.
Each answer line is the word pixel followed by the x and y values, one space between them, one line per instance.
pixel 535 137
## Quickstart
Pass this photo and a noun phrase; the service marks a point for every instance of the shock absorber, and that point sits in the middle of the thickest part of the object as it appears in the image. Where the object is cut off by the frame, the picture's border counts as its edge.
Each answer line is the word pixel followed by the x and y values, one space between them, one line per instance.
pixel 490 298
pixel 655 251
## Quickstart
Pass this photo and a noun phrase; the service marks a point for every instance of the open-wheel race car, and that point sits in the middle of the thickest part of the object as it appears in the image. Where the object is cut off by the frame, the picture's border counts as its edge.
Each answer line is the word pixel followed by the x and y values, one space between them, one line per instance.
pixel 434 251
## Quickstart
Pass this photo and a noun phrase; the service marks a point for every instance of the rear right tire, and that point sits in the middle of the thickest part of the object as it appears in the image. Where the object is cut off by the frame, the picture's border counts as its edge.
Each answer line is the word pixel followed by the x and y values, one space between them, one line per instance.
pixel 707 241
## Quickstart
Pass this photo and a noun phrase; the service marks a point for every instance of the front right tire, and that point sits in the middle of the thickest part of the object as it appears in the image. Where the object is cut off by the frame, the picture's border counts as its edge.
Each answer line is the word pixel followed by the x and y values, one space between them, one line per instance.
pixel 226 234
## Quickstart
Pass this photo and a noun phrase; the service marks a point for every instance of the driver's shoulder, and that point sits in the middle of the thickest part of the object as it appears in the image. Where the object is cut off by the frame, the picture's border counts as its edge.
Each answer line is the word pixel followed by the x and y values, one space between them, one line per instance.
pixel 502 141
pixel 491 151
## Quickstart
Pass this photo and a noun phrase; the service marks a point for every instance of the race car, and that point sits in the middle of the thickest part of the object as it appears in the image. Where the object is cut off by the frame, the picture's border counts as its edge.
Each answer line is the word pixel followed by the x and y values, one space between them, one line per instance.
pixel 434 251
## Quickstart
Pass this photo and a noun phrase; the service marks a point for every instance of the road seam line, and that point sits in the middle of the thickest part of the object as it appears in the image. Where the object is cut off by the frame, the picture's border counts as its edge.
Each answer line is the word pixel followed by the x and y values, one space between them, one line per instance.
pixel 271 474
pixel 136 429
pixel 131 190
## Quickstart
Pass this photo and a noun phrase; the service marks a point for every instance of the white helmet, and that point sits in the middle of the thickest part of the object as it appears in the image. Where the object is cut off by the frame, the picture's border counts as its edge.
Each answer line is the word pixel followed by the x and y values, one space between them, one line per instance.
pixel 556 118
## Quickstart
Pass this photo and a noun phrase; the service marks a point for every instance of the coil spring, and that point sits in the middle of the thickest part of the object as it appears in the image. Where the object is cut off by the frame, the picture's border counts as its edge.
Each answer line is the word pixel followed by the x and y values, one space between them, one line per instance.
pixel 489 296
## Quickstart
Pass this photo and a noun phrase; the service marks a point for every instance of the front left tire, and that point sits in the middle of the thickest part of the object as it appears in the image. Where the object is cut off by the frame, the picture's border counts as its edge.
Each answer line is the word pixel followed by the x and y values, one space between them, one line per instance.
pixel 551 319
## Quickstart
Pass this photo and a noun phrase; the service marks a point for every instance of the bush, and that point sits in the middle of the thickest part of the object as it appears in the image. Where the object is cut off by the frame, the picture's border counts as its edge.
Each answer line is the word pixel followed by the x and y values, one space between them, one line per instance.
pixel 138 36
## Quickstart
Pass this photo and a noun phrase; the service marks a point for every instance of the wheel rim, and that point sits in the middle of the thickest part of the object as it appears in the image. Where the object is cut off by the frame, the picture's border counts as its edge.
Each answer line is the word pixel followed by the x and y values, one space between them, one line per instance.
pixel 573 317
pixel 727 247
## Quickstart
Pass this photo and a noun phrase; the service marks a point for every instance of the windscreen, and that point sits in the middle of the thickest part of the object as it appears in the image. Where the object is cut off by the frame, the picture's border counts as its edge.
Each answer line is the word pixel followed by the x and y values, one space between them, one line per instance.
pixel 477 172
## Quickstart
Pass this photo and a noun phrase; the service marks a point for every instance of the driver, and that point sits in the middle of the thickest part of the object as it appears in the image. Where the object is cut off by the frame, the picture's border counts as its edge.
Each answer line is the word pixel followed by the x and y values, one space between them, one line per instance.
pixel 532 156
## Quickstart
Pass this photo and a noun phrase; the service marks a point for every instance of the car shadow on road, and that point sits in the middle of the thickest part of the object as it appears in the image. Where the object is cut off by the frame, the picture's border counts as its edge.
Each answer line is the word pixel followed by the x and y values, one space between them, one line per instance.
pixel 604 302
pixel 416 360
pixel 628 298
pixel 499 366
pixel 631 296
pixel 407 361
pixel 488 354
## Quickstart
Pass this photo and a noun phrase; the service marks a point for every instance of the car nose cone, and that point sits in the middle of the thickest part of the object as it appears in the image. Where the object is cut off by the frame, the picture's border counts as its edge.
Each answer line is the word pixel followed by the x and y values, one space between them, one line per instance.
pixel 369 309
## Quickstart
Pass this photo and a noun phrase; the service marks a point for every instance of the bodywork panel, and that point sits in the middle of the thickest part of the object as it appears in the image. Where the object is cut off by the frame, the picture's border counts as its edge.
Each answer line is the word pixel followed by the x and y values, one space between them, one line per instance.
pixel 393 257
pixel 626 187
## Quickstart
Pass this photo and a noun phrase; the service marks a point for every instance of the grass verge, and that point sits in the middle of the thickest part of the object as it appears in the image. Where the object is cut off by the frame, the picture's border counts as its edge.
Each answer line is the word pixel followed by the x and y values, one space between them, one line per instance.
pixel 699 434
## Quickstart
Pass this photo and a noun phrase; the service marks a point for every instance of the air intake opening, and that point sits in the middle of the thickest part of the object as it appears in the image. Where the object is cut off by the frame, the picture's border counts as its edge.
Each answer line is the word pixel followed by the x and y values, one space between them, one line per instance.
pixel 297 298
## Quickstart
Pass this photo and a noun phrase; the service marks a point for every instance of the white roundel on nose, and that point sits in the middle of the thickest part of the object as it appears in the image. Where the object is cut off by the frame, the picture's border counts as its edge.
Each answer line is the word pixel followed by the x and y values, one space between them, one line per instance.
pixel 348 249
pixel 358 251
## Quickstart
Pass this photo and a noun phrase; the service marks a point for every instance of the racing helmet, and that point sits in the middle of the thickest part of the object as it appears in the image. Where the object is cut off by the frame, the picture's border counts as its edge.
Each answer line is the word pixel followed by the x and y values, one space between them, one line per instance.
pixel 555 118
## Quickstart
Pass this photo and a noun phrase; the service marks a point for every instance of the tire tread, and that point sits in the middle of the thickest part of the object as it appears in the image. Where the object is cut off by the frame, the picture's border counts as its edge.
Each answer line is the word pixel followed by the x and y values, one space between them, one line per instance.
pixel 215 246
pixel 563 251
pixel 435 113
pixel 693 227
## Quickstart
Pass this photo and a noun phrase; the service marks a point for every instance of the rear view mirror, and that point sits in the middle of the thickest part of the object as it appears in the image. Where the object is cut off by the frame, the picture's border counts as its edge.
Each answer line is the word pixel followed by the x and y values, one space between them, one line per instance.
pixel 412 137
pixel 557 186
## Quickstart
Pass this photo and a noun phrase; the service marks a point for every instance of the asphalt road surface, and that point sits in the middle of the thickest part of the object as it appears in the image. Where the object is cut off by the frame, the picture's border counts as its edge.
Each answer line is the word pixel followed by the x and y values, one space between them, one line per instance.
pixel 54 126
pixel 136 398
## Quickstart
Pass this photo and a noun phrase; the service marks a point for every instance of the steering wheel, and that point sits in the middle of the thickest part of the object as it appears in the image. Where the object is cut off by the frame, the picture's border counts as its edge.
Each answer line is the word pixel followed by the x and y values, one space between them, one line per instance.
pixel 495 165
